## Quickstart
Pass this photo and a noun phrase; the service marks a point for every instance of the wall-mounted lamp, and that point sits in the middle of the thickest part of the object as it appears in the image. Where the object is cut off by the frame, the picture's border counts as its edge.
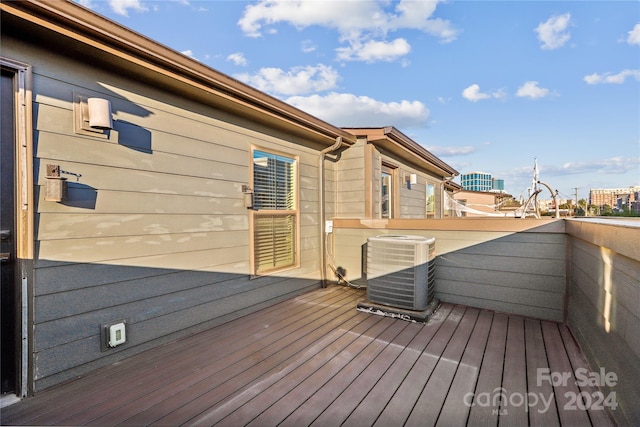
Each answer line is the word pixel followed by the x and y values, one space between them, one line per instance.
pixel 411 179
pixel 55 189
pixel 92 115
pixel 248 196
pixel 99 110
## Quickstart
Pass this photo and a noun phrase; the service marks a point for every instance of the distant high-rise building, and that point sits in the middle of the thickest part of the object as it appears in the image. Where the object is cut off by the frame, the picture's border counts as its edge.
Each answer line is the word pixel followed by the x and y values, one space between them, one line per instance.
pixel 481 181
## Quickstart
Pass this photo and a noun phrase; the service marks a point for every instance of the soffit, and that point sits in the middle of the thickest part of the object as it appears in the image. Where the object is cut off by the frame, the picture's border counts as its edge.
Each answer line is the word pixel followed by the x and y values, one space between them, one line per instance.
pixel 391 140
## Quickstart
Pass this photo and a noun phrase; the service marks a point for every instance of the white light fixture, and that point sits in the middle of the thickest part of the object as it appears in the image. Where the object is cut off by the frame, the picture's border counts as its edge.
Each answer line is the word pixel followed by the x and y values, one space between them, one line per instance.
pixel 99 113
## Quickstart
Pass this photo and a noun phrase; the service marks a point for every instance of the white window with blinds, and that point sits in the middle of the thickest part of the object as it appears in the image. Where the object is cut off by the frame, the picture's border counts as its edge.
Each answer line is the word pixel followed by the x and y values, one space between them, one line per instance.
pixel 275 214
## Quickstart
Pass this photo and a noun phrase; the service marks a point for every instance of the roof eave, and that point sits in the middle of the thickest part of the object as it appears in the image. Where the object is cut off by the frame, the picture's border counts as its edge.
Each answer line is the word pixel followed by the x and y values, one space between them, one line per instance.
pixel 84 25
pixel 392 140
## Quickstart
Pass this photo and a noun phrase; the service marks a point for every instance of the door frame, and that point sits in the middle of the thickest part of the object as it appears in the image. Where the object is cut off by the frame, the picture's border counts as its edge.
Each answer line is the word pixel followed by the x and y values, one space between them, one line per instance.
pixel 24 215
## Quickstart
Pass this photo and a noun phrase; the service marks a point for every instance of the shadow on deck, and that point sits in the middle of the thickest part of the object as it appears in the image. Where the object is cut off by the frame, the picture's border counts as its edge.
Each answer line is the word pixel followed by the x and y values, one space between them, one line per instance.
pixel 316 360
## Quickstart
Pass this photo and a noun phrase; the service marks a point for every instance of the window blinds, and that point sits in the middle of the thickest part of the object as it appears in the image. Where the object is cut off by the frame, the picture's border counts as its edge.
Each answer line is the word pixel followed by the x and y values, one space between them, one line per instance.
pixel 274 216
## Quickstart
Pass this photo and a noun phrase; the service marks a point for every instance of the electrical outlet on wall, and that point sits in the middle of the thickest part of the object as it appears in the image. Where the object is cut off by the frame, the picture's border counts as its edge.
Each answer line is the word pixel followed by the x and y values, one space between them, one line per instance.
pixel 113 335
pixel 328 226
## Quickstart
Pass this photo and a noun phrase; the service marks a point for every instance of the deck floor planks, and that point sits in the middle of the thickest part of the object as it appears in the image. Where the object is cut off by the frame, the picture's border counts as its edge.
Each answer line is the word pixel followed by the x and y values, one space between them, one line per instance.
pixel 224 375
pixel 401 404
pixel 110 380
pixel 597 412
pixel 455 411
pixel 248 401
pixel 513 411
pixel 371 406
pixel 315 359
pixel 542 405
pixel 559 363
pixel 351 397
pixel 265 393
pixel 198 365
pixel 490 377
pixel 429 404
pixel 300 390
pixel 322 398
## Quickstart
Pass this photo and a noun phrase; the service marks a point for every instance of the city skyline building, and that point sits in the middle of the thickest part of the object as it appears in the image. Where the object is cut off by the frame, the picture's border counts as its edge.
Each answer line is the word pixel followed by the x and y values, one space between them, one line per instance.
pixel 615 197
pixel 482 182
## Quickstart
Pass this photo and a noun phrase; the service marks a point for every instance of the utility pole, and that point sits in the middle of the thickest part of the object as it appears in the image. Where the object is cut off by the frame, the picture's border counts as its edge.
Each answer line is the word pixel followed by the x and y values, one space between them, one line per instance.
pixel 577 206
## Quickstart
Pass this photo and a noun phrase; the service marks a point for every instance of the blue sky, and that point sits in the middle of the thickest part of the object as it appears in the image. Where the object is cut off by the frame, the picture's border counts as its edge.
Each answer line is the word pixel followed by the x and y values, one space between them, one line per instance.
pixel 485 85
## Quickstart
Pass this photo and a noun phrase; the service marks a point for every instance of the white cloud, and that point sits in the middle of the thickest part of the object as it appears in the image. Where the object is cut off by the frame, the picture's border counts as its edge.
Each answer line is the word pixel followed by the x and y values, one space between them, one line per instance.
pixel 531 90
pixel 452 151
pixel 307 46
pixel 553 32
pixel 473 94
pixel 188 53
pixel 609 78
pixel 634 35
pixel 121 7
pixel 344 109
pixel 361 24
pixel 372 51
pixel 298 80
pixel 237 58
pixel 613 165
pixel 86 3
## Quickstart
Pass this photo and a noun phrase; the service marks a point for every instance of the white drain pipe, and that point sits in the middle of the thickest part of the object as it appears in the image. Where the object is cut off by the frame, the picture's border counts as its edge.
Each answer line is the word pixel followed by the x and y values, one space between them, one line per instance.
pixel 323 249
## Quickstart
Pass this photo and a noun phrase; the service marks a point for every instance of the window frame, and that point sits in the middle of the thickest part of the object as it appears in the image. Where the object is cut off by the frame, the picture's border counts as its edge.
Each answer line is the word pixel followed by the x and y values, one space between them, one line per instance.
pixel 430 213
pixel 256 214
pixel 391 172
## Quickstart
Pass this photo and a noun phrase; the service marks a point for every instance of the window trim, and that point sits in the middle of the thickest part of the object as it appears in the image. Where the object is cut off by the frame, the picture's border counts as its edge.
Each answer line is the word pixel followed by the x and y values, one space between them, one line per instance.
pixel 254 213
pixel 392 172
pixel 434 212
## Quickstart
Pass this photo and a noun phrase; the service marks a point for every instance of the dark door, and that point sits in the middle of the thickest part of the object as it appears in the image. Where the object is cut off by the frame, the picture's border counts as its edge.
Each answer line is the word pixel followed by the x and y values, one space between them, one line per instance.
pixel 7 236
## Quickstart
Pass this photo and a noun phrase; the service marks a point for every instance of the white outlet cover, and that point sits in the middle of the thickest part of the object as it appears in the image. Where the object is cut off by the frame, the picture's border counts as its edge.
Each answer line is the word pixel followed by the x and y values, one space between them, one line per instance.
pixel 117 334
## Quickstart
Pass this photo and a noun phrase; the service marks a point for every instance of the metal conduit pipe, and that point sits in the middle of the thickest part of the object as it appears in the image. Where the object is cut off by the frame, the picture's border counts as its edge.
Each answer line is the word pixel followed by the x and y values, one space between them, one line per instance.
pixel 323 249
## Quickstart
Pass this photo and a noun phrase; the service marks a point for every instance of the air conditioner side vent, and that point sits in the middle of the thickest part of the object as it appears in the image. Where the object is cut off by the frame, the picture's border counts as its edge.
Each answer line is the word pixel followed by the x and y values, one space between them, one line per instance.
pixel 400 271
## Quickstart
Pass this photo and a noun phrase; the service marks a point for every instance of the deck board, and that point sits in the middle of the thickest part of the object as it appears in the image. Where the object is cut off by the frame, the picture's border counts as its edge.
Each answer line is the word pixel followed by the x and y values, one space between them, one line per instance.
pixel 542 410
pixel 316 360
pixel 356 391
pixel 369 408
pixel 110 381
pixel 464 382
pixel 490 375
pixel 514 376
pixel 294 391
pixel 320 400
pixel 428 406
pixel 596 412
pixel 563 390
pixel 403 401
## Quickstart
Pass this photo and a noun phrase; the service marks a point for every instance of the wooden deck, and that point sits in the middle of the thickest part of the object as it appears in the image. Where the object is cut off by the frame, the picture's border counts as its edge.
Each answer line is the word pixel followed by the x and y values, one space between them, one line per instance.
pixel 316 360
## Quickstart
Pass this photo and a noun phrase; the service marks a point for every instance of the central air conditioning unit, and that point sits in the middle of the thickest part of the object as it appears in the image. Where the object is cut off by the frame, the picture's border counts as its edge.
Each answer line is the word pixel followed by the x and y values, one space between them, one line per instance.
pixel 400 271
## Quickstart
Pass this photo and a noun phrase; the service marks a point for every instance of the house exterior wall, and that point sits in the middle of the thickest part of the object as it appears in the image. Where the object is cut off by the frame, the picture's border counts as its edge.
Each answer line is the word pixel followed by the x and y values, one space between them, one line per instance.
pixel 351 180
pixel 358 177
pixel 154 230
pixel 481 202
pixel 604 306
pixel 515 266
